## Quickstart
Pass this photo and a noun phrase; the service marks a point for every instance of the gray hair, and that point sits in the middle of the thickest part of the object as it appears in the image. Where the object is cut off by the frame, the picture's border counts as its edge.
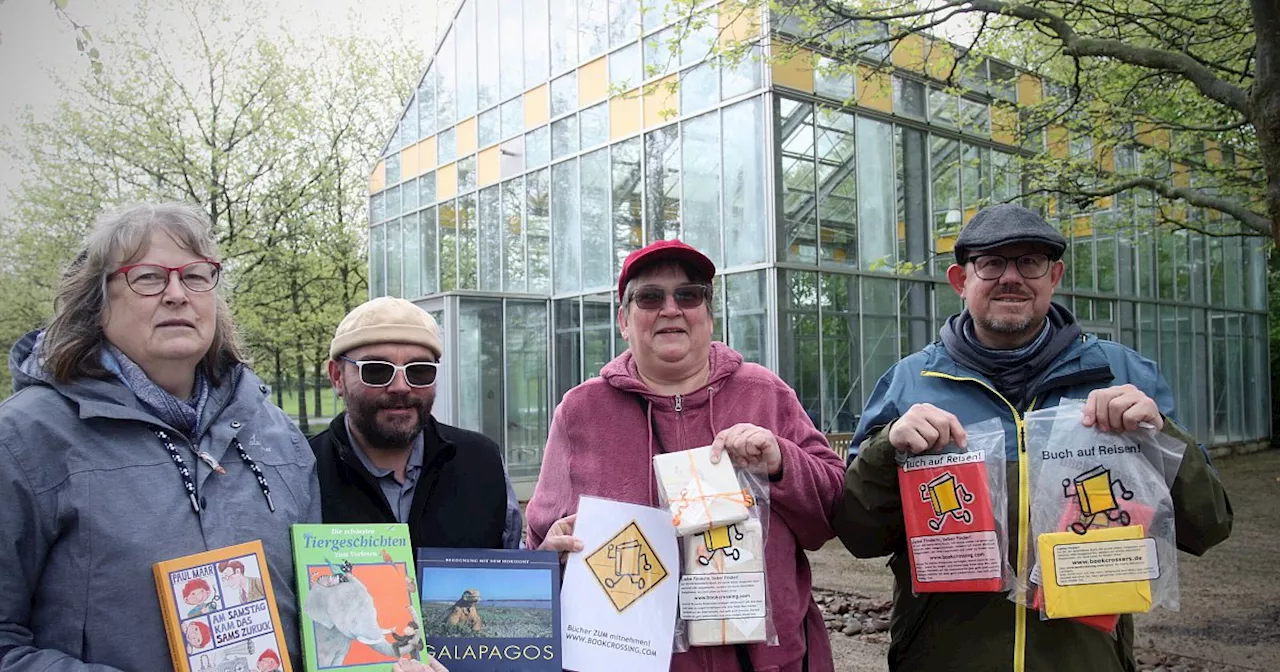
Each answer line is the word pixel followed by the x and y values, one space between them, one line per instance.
pixel 632 284
pixel 72 345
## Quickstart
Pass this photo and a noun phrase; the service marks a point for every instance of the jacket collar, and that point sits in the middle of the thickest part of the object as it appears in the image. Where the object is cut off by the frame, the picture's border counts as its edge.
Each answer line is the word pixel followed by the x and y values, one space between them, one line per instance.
pixel 1084 361
pixel 436 449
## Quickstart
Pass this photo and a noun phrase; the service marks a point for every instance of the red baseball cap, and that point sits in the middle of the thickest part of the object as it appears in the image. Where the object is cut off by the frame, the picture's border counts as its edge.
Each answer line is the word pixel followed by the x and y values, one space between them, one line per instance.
pixel 664 250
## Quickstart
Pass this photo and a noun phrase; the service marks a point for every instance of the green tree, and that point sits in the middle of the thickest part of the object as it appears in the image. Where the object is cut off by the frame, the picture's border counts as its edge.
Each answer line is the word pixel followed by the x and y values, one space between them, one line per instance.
pixel 274 138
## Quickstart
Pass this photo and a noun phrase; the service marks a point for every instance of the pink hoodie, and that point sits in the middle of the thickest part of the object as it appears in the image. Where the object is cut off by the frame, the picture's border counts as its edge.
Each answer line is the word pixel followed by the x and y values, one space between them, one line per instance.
pixel 601 444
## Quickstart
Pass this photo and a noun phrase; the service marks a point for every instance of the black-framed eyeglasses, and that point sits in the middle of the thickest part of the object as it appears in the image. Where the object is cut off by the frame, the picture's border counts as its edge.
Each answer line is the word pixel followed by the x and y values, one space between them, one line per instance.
pixel 992 266
pixel 377 373
pixel 153 279
pixel 652 297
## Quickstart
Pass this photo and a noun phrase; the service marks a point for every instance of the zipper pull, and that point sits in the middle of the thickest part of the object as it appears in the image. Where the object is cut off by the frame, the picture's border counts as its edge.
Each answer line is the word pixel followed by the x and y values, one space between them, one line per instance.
pixel 679 403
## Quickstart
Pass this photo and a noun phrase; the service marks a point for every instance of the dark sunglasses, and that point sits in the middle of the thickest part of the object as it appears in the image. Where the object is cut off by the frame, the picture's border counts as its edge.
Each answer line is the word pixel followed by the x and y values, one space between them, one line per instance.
pixel 377 373
pixel 653 297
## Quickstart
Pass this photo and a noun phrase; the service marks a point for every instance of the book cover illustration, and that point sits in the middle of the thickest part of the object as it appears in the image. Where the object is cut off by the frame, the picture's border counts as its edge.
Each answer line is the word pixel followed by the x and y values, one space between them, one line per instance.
pixel 220 612
pixel 493 610
pixel 358 597
pixel 953 545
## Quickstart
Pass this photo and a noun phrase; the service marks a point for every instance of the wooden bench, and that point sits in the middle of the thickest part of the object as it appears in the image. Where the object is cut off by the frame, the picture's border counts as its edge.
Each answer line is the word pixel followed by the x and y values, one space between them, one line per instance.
pixel 840 442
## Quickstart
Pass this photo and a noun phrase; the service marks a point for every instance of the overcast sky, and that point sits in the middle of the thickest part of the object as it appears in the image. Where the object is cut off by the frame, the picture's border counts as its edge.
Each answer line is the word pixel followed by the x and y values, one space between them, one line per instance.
pixel 36 44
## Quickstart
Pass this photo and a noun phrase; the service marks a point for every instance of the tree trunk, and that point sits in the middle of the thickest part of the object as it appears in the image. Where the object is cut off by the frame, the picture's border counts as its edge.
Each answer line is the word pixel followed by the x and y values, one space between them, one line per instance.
pixel 303 424
pixel 1265 100
pixel 317 388
pixel 279 380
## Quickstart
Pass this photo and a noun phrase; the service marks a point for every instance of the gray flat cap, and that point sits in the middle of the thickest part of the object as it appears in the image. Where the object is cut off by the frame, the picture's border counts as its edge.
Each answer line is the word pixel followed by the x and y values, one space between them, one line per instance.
pixel 1005 224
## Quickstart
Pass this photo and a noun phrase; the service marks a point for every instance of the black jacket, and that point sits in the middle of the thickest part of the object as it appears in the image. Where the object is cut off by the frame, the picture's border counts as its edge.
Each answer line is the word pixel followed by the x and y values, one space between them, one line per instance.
pixel 460 500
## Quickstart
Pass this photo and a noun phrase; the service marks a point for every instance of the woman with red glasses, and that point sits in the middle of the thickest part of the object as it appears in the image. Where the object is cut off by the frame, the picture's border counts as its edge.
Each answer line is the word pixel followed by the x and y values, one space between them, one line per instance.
pixel 672 390
pixel 136 434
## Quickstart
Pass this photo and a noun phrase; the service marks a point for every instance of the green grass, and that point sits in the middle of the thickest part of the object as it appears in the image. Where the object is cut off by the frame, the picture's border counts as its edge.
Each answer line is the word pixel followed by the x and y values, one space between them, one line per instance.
pixel 329 404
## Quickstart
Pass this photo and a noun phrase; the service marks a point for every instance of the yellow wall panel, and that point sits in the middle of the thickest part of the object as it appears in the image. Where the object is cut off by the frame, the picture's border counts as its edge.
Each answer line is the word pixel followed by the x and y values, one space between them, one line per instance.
pixel 875 89
pixel 427 153
pixel 1181 174
pixel 487 166
pixel 945 244
pixel 1082 227
pixel 1107 159
pixel 909 53
pixel 537 107
pixel 466 137
pixel 447 182
pixel 1030 89
pixel 1058 147
pixel 1004 123
pixel 1151 136
pixel 593 81
pixel 939 59
pixel 1212 153
pixel 409 166
pixel 795 70
pixel 738 21
pixel 378 179
pixel 625 115
pixel 661 101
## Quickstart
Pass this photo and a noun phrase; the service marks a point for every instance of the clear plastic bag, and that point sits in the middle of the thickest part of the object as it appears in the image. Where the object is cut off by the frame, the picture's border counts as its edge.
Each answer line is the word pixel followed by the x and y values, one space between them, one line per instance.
pixel 953 506
pixel 1102 533
pixel 723 573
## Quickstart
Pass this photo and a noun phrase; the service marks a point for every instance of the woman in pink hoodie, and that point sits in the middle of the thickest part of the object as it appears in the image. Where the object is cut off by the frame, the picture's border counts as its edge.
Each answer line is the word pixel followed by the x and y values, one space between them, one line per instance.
pixel 674 390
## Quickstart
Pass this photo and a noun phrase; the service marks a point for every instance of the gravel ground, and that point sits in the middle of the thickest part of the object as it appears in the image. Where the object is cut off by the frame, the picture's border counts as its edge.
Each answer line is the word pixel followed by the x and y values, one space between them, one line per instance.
pixel 1230 599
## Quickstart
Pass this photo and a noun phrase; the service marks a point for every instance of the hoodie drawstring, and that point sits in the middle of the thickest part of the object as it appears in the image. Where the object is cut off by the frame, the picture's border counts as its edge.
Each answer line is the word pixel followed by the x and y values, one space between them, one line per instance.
pixel 653 477
pixel 190 484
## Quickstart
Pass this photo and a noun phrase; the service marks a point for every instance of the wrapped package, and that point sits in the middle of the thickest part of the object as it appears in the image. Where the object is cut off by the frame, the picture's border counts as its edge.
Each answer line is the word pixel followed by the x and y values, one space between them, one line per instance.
pixel 726 561
pixel 1102 521
pixel 701 495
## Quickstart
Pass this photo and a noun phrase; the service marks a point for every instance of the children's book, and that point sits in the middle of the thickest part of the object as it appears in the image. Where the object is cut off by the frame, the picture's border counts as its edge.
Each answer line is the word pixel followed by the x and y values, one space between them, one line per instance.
pixel 220 612
pixel 491 610
pixel 358 597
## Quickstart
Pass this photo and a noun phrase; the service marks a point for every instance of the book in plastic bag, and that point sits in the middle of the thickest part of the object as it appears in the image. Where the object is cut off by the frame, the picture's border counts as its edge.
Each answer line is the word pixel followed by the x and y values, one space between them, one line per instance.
pixel 953 507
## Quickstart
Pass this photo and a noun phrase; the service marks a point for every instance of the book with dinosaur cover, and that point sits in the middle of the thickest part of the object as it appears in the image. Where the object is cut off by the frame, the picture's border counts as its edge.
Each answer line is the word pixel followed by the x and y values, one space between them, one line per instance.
pixel 220 612
pixel 357 595
pixel 491 610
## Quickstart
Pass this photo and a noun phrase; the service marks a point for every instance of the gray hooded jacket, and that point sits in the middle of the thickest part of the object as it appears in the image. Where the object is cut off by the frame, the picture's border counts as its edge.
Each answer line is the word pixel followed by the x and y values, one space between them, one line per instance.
pixel 90 500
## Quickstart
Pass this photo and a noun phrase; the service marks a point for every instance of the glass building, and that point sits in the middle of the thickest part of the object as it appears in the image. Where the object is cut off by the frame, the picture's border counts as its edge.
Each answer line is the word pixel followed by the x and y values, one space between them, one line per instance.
pixel 549 138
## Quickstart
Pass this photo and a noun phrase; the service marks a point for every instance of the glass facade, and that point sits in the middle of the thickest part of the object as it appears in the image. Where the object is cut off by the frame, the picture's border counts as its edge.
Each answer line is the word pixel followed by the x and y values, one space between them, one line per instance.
pixel 523 172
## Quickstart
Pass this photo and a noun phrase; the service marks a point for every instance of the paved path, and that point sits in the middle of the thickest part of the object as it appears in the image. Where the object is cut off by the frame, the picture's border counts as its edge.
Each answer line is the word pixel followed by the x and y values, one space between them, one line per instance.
pixel 1230 599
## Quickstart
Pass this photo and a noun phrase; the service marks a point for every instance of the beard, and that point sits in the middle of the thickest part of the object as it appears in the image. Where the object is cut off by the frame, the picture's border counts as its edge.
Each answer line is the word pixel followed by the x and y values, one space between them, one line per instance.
pixel 1013 324
pixel 391 435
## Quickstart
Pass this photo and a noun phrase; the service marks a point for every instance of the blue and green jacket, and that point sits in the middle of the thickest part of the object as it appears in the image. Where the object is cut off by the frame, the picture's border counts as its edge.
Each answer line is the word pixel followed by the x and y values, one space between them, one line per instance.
pixel 986 631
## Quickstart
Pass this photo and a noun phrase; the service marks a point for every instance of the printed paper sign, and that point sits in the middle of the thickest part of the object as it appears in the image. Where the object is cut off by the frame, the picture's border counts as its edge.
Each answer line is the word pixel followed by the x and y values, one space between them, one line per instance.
pixel 618 602
pixel 956 557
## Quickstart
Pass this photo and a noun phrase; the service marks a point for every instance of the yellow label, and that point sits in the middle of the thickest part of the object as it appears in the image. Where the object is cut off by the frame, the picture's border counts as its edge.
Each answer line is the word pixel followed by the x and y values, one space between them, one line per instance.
pixel 627 567
pixel 1104 571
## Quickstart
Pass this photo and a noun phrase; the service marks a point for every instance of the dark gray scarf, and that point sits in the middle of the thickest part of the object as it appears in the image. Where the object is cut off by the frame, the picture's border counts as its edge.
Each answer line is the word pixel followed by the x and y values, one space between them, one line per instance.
pixel 183 416
pixel 1011 371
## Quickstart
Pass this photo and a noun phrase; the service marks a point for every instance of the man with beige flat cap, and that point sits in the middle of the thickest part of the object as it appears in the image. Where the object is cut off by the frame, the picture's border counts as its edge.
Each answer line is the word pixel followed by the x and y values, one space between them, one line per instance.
pixel 386 459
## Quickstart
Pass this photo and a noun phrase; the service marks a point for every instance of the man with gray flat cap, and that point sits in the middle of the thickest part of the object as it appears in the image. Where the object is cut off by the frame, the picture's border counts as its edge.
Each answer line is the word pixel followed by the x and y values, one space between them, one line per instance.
pixel 1012 349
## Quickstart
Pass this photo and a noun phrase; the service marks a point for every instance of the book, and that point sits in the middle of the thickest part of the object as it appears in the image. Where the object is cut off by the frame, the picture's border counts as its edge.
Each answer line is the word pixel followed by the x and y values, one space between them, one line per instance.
pixel 1104 571
pixel 220 612
pixel 952 541
pixel 1074 519
pixel 358 597
pixel 491 610
pixel 722 585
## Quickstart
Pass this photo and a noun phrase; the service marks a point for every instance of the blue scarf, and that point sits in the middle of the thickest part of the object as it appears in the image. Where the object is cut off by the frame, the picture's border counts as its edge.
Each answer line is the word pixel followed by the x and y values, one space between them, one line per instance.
pixel 183 416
